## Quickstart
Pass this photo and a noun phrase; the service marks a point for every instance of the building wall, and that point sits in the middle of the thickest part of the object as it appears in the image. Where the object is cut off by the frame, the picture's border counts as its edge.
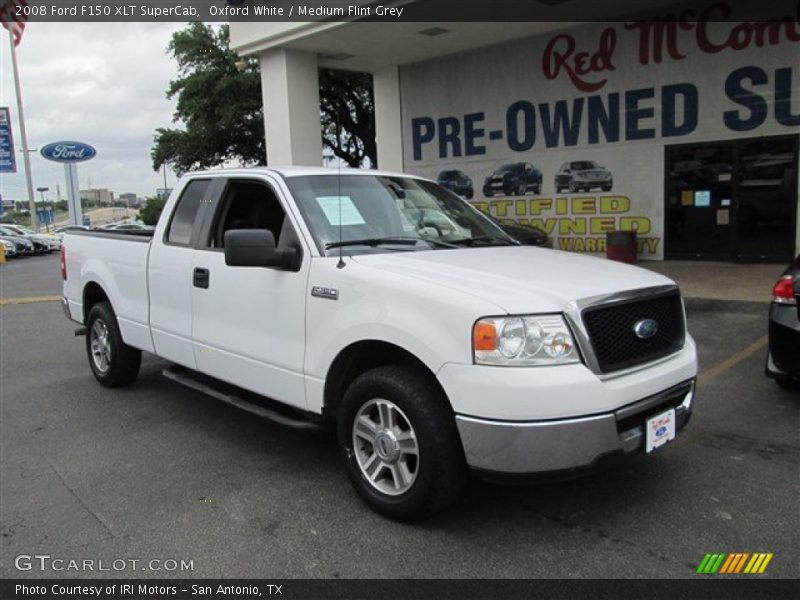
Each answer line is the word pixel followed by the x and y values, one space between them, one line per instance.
pixel 605 92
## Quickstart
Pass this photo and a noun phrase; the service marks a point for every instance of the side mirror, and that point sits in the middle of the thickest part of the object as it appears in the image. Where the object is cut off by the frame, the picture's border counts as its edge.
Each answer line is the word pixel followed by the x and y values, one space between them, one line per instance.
pixel 256 248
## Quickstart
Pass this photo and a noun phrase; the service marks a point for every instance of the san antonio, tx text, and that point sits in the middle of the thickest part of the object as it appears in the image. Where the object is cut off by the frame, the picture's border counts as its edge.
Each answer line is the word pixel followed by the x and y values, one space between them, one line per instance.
pixel 130 589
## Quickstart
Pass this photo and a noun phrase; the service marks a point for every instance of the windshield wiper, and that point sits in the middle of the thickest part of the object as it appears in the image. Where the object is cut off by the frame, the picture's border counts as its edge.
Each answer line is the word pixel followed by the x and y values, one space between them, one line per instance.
pixel 381 241
pixel 470 241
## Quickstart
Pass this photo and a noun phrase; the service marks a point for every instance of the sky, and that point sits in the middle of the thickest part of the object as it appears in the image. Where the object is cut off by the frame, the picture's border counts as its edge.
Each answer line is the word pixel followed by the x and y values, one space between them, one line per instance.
pixel 99 83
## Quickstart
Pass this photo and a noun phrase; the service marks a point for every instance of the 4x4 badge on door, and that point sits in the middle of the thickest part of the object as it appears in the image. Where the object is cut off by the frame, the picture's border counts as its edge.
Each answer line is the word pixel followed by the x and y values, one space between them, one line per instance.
pixel 645 329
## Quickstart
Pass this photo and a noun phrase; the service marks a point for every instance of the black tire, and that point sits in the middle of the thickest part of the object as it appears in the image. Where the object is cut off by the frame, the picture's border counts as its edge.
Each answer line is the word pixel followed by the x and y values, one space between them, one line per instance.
pixel 124 361
pixel 606 188
pixel 469 195
pixel 488 193
pixel 787 383
pixel 440 468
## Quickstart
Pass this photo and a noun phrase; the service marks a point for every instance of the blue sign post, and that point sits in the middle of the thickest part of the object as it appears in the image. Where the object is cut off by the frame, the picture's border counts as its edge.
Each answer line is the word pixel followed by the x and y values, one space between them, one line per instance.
pixel 8 161
pixel 70 153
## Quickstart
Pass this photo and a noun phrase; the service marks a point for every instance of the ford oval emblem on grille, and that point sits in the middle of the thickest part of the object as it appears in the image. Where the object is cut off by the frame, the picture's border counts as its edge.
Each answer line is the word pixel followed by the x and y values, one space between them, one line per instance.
pixel 645 329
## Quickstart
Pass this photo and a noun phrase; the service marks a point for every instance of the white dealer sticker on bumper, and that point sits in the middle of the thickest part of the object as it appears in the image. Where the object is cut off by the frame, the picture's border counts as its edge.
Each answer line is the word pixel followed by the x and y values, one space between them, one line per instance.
pixel 659 430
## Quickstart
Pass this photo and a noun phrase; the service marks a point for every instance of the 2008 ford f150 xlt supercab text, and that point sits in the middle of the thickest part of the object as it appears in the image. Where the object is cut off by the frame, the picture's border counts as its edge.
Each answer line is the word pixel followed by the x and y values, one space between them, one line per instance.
pixel 389 307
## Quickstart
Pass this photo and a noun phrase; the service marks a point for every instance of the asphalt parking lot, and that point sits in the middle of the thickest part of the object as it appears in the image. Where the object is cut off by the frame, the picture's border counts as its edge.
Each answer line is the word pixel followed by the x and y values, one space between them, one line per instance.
pixel 157 471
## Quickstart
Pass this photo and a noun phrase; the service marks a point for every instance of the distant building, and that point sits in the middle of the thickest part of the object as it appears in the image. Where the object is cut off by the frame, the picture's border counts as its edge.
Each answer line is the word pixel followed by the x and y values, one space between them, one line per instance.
pixel 163 193
pixel 131 199
pixel 97 196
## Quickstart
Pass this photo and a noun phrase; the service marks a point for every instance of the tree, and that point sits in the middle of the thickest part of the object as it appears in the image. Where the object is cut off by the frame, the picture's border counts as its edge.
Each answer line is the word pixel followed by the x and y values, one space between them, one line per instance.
pixel 151 210
pixel 220 107
pixel 347 109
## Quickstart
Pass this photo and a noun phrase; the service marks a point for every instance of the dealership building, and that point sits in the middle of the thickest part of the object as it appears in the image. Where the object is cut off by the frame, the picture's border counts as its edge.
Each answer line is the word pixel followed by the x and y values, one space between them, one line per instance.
pixel 684 129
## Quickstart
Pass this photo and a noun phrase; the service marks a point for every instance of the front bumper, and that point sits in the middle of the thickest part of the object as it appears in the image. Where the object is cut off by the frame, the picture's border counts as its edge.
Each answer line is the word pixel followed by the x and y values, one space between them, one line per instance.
pixel 592 182
pixel 498 449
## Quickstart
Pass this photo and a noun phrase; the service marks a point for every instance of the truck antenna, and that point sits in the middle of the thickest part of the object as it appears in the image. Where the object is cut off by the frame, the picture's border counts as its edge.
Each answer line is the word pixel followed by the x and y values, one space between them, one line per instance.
pixel 341 264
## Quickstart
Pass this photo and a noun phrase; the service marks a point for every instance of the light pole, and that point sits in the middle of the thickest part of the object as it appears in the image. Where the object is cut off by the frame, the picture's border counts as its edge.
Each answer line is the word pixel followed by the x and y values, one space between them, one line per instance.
pixel 41 191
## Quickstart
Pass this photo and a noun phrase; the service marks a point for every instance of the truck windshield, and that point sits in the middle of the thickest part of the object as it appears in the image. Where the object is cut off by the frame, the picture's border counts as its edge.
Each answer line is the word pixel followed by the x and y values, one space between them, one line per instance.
pixel 389 214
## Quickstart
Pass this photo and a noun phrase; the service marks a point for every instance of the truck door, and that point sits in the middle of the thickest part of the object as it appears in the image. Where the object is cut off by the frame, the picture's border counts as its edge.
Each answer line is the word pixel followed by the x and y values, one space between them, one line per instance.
pixel 249 322
pixel 170 274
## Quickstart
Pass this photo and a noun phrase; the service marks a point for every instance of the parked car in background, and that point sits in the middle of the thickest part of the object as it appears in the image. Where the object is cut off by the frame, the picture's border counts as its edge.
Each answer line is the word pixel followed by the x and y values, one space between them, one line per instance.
pixel 513 179
pixel 457 182
pixel 583 175
pixel 9 247
pixel 783 355
pixel 42 243
pixel 22 246
pixel 525 234
pixel 60 231
pixel 125 227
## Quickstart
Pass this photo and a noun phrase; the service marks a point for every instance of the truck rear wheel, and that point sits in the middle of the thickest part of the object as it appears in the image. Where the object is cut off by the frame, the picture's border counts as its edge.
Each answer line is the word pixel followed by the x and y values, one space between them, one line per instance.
pixel 114 363
pixel 399 441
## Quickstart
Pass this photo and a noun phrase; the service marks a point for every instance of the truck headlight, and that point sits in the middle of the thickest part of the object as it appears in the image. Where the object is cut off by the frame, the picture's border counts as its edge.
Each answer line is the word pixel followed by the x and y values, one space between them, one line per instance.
pixel 520 341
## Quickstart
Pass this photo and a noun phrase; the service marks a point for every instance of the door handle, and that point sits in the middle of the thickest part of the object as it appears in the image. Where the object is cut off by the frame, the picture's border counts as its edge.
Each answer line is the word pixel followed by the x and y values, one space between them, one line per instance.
pixel 201 278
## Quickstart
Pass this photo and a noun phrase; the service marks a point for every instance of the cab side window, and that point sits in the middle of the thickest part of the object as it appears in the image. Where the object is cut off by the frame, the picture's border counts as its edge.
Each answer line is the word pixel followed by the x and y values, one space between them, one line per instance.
pixel 181 225
pixel 252 205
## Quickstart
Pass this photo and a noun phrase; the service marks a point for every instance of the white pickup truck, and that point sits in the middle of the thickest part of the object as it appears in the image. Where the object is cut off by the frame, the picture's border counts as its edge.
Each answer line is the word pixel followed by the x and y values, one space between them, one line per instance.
pixel 388 307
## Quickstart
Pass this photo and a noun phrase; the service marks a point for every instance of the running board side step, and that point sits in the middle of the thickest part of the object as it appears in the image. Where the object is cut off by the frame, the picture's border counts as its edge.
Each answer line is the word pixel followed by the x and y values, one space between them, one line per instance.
pixel 242 399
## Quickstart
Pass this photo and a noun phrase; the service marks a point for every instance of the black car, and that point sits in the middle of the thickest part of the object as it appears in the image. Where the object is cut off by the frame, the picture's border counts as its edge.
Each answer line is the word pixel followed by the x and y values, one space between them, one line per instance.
pixel 513 179
pixel 783 356
pixel 22 246
pixel 583 175
pixel 457 182
pixel 527 235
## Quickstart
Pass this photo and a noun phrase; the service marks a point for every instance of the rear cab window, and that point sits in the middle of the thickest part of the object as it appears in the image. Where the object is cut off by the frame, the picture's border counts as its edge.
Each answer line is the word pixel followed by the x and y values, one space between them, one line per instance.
pixel 182 222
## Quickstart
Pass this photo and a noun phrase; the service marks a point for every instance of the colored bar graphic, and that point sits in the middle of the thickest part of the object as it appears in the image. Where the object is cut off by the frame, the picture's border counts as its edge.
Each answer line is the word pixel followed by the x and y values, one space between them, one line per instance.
pixel 703 563
pixel 742 560
pixel 732 558
pixel 722 563
pixel 718 563
pixel 764 564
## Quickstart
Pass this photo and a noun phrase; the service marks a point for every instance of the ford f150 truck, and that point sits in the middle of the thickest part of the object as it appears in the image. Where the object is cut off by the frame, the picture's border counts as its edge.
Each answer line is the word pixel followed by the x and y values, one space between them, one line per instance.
pixel 388 307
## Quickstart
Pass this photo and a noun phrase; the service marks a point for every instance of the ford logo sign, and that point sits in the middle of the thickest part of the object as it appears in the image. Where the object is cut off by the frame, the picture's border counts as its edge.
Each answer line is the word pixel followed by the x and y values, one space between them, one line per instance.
pixel 68 151
pixel 661 431
pixel 645 329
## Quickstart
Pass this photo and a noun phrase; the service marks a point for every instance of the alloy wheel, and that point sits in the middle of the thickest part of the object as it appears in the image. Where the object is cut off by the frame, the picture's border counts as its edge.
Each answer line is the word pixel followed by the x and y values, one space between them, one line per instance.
pixel 385 447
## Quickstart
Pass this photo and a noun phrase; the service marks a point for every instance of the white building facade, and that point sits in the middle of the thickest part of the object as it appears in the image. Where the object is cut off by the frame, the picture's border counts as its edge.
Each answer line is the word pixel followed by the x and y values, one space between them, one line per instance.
pixel 684 132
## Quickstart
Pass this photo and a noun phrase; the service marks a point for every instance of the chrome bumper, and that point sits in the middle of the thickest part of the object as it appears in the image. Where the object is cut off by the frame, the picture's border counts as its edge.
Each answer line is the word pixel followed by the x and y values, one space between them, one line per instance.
pixel 520 448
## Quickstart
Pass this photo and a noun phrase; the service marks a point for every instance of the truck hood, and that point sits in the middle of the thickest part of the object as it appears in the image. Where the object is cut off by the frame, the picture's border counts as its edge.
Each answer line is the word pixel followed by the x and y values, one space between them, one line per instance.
pixel 518 279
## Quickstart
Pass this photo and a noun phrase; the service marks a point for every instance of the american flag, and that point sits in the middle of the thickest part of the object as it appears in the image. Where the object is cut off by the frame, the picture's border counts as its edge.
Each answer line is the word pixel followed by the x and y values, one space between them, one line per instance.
pixel 11 21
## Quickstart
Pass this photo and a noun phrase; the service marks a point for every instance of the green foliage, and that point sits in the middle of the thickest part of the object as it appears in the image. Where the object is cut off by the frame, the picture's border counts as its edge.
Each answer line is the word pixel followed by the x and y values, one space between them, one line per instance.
pixel 219 105
pixel 347 106
pixel 151 210
pixel 220 108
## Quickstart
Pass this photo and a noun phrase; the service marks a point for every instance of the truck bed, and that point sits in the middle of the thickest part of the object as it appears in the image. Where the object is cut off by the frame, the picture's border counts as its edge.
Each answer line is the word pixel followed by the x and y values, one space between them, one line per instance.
pixel 117 262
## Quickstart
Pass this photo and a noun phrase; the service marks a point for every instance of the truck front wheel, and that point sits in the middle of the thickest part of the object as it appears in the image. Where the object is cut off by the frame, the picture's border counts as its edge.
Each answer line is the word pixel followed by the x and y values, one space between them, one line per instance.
pixel 114 363
pixel 399 441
